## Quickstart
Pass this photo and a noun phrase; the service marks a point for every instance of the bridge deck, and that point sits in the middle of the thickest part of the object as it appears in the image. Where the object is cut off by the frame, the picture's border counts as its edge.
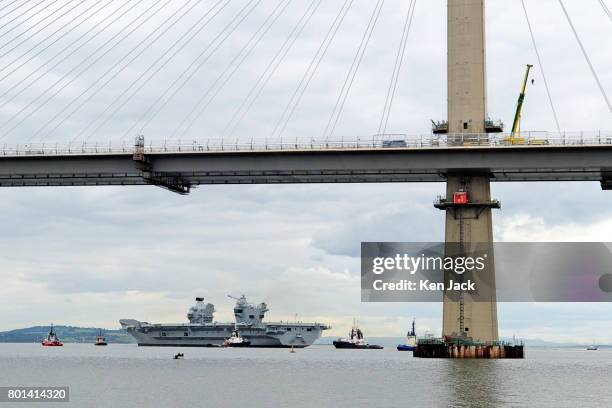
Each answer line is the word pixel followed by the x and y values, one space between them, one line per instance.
pixel 345 162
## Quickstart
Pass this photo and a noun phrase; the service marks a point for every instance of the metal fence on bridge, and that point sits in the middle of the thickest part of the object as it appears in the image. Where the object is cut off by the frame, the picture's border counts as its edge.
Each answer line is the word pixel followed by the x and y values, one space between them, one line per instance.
pixel 387 141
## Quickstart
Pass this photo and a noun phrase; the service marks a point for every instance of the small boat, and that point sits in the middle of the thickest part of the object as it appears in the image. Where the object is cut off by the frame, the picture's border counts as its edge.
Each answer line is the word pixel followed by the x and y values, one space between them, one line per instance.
pixel 355 341
pixel 179 356
pixel 100 340
pixel 52 340
pixel 236 341
pixel 411 341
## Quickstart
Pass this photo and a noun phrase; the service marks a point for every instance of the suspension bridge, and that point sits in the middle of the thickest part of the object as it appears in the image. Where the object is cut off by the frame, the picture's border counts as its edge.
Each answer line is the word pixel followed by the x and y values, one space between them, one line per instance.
pixel 50 49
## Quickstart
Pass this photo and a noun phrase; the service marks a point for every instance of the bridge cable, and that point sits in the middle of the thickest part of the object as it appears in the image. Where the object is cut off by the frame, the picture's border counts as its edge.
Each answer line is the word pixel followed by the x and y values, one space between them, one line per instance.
pixel 188 73
pixel 234 65
pixel 50 69
pixel 21 24
pixel 147 41
pixel 586 56
pixel 169 54
pixel 198 62
pixel 606 9
pixel 541 66
pixel 22 14
pixel 77 75
pixel 399 59
pixel 311 70
pixel 72 78
pixel 37 24
pixel 270 69
pixel 55 41
pixel 13 10
pixel 351 74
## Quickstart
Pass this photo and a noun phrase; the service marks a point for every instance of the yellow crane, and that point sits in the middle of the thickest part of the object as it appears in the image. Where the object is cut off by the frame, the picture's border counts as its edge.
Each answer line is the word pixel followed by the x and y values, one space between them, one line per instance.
pixel 515 136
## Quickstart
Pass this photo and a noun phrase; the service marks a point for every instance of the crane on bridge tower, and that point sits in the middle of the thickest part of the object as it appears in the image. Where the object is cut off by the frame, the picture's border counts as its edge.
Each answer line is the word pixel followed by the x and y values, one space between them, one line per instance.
pixel 515 137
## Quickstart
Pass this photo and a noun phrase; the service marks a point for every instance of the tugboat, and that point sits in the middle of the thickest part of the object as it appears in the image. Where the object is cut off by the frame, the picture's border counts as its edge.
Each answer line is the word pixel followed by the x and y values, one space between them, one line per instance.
pixel 411 341
pixel 100 340
pixel 236 341
pixel 355 341
pixel 51 340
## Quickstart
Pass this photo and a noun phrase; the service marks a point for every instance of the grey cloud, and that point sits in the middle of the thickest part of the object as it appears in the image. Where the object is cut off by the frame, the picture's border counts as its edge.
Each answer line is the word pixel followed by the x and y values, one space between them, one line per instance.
pixel 395 216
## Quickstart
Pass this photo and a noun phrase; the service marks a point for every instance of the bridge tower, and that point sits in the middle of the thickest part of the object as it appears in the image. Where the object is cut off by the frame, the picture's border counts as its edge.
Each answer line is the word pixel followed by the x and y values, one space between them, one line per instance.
pixel 467 116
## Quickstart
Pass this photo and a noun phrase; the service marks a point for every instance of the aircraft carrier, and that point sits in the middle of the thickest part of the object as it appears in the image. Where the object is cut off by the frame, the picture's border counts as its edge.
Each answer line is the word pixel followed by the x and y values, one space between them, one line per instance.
pixel 202 331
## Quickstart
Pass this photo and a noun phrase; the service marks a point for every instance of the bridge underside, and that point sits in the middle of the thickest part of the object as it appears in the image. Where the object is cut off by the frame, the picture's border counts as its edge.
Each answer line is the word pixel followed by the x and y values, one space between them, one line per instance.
pixel 580 163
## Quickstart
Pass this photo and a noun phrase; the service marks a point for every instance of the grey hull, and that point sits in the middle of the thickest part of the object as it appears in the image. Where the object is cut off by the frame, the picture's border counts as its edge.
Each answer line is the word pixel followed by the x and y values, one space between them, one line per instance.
pixel 213 335
pixel 202 331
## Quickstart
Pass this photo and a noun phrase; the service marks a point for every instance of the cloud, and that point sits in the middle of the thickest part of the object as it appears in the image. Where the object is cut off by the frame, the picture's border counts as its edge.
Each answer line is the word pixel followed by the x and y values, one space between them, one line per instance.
pixel 528 228
pixel 394 214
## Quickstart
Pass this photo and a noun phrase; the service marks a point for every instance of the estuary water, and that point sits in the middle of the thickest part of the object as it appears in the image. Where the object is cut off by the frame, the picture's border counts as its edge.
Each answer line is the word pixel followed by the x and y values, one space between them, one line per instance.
pixel 319 376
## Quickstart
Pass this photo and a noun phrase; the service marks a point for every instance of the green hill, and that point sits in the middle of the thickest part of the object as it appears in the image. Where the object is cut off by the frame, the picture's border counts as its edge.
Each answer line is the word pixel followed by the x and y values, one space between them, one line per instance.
pixel 67 334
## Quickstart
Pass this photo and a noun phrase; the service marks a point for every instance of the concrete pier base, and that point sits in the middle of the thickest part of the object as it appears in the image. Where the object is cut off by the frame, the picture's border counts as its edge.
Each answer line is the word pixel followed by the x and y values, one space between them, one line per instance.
pixel 469 226
pixel 442 349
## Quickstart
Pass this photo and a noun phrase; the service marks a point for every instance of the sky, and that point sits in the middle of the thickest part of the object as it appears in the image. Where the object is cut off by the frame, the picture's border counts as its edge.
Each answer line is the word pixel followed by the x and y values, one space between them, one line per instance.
pixel 90 256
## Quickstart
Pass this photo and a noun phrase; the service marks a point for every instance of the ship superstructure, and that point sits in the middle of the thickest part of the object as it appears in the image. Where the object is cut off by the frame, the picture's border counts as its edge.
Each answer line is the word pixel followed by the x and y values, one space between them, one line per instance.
pixel 203 331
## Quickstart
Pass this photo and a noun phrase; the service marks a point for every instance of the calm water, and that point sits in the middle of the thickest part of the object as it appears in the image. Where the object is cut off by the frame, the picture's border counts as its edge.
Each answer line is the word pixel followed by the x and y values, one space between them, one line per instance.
pixel 128 376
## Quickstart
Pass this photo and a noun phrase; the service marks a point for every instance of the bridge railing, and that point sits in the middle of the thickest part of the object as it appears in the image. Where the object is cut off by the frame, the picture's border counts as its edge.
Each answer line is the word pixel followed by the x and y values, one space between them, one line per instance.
pixel 387 141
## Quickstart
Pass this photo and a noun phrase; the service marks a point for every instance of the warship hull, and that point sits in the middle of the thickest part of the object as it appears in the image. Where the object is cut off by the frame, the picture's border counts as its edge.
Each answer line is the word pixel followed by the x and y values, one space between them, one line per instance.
pixel 203 331
pixel 213 335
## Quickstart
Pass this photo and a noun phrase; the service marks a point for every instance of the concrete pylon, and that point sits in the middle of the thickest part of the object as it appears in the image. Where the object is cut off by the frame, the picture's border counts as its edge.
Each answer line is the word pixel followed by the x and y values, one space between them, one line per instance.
pixel 467 86
pixel 467 112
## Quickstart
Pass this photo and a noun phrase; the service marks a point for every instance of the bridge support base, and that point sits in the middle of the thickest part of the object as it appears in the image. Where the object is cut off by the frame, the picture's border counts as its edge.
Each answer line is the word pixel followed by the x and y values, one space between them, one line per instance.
pixel 469 351
pixel 469 225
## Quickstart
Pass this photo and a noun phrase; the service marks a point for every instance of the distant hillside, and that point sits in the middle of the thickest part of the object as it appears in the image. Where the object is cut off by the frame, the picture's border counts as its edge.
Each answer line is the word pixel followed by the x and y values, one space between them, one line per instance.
pixel 67 334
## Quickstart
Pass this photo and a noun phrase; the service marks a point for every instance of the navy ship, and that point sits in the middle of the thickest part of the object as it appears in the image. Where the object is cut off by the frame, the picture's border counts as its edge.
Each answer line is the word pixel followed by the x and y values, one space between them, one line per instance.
pixel 202 331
